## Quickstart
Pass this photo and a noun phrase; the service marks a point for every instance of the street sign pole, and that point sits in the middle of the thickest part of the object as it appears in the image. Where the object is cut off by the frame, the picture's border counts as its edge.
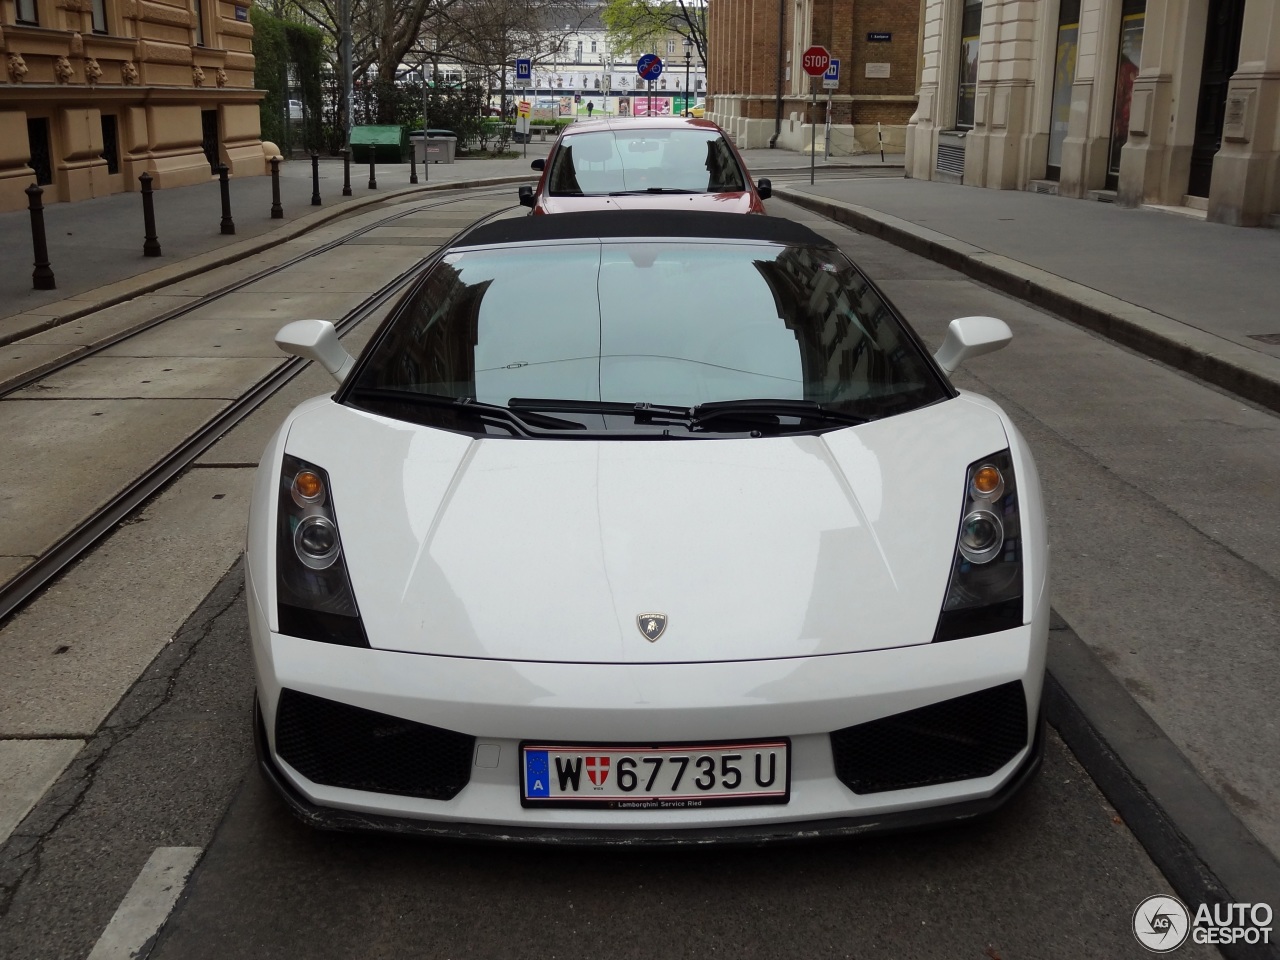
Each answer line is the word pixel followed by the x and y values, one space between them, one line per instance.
pixel 813 130
pixel 826 134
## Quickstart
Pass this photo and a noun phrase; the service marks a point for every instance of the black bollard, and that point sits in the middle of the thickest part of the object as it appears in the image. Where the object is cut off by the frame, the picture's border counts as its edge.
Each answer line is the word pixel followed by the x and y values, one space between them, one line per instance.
pixel 277 211
pixel 413 164
pixel 315 179
pixel 42 275
pixel 346 172
pixel 150 243
pixel 228 225
pixel 373 177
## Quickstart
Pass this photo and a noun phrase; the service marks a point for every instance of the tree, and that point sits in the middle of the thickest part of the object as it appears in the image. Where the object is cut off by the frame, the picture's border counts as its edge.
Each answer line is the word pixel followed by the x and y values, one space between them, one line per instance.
pixel 640 24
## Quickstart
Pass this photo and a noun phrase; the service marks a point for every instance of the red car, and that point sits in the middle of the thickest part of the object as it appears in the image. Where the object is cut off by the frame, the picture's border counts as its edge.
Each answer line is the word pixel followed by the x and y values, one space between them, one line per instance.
pixel 634 163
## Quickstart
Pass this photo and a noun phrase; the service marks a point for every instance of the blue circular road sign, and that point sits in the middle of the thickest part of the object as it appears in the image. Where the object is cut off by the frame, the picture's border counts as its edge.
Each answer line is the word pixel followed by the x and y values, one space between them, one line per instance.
pixel 649 67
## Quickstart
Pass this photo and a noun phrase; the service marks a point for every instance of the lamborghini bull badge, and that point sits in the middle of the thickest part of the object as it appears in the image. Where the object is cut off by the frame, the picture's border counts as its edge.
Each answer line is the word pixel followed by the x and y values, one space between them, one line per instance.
pixel 652 625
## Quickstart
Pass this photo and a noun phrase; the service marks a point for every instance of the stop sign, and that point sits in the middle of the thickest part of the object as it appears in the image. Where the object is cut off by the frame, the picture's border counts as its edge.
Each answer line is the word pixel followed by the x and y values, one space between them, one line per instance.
pixel 815 61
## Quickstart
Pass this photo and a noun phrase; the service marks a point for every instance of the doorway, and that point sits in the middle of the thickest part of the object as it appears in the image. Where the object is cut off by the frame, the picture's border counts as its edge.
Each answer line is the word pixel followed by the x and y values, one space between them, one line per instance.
pixel 1221 56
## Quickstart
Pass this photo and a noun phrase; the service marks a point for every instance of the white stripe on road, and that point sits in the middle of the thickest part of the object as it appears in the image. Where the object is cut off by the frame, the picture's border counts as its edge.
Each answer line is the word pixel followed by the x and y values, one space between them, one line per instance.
pixel 146 906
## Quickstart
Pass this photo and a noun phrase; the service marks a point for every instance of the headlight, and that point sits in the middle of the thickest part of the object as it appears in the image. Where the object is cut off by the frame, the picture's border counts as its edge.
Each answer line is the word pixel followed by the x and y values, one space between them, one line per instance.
pixel 984 594
pixel 314 596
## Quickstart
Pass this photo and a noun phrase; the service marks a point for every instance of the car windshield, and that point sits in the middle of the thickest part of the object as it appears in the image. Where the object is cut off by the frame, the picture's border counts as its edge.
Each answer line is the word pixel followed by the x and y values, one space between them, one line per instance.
pixel 608 162
pixel 634 338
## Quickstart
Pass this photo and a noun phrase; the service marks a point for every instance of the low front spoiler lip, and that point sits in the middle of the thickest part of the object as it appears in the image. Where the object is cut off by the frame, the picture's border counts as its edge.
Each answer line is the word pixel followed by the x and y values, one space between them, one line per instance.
pixel 329 818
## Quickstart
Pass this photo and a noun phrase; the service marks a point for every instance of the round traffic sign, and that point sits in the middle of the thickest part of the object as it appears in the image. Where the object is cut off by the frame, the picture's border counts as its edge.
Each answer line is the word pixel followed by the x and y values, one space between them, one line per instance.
pixel 815 61
pixel 649 66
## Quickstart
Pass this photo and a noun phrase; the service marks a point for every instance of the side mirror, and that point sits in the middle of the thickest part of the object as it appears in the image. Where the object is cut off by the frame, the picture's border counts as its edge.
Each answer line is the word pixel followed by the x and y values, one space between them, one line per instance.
pixel 969 337
pixel 316 340
pixel 526 196
pixel 764 187
pixel 538 164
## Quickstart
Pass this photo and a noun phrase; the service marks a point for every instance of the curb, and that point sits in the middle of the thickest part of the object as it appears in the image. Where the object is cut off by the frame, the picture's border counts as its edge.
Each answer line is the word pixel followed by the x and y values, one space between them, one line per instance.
pixel 1247 373
pixel 122 291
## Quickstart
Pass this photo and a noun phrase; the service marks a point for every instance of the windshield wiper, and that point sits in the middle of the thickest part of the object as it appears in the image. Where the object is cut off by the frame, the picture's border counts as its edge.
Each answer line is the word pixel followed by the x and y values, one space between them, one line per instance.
pixel 642 412
pixel 641 193
pixel 770 410
pixel 466 406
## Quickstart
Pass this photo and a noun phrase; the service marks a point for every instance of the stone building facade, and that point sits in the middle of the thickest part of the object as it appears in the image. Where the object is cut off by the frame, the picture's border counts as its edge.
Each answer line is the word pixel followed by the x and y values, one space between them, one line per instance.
pixel 96 92
pixel 1167 102
pixel 758 92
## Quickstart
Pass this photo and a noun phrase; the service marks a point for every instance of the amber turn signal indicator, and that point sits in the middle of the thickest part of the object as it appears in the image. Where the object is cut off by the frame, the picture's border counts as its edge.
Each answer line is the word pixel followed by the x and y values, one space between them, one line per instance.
pixel 308 485
pixel 987 482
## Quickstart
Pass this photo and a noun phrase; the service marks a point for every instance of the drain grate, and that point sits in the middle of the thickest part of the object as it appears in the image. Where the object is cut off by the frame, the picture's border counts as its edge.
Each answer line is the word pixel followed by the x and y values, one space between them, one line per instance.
pixel 1271 338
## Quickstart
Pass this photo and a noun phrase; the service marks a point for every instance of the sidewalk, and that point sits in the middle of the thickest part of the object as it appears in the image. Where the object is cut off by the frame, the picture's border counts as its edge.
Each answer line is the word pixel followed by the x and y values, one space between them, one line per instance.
pixel 1202 297
pixel 95 246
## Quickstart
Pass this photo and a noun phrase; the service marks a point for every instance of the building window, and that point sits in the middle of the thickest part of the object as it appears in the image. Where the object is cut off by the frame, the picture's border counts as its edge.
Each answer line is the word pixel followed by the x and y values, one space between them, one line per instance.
pixel 199 11
pixel 27 12
pixel 1064 75
pixel 578 59
pixel 110 143
pixel 970 41
pixel 99 16
pixel 671 47
pixel 593 46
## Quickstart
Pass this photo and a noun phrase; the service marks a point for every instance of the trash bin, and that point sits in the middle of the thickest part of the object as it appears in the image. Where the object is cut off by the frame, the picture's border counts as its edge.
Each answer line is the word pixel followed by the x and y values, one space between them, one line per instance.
pixel 386 144
pixel 438 146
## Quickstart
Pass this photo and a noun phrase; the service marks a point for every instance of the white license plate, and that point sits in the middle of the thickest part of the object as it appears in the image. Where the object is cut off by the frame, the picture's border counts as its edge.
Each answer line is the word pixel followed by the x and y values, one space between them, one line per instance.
pixel 673 777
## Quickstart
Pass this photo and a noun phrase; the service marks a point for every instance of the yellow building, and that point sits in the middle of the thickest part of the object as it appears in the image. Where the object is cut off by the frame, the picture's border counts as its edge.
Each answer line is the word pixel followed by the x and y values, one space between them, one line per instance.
pixel 96 92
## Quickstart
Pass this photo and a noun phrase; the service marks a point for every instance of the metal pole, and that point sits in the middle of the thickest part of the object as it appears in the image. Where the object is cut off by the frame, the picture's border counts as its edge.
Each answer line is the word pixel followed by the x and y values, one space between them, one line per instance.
pixel 688 59
pixel 346 171
pixel 277 211
pixel 315 179
pixel 228 225
pixel 826 133
pixel 150 243
pixel 373 174
pixel 413 159
pixel 524 95
pixel 813 129
pixel 42 275
pixel 880 137
pixel 345 54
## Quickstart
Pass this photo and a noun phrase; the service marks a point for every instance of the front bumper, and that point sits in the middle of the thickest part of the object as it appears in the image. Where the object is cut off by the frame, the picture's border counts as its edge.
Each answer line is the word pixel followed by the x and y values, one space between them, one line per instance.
pixel 501 703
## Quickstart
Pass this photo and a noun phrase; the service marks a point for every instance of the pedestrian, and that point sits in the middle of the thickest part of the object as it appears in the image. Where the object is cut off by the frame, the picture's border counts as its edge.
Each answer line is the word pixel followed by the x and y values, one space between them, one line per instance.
pixel 590 106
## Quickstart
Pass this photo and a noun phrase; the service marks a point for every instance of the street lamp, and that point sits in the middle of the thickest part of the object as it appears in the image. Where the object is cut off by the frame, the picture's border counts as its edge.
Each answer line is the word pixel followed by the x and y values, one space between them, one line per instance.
pixel 688 58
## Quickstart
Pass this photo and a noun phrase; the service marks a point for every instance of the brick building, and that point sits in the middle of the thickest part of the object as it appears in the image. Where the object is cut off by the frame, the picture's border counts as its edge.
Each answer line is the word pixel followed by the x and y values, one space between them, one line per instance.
pixel 97 92
pixel 1167 102
pixel 757 91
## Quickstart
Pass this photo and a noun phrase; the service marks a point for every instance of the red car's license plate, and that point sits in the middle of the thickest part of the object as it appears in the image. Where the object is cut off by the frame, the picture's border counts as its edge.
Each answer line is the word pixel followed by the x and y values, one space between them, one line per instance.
pixel 672 777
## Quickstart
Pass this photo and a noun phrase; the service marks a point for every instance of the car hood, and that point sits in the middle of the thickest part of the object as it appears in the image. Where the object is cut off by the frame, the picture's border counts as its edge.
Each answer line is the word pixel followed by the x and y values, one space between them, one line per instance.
pixel 551 550
pixel 740 201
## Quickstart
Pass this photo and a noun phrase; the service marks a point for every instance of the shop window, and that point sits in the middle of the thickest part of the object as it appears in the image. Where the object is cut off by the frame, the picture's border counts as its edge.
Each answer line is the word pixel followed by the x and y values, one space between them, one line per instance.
pixel 1064 75
pixel 27 12
pixel 970 42
pixel 111 142
pixel 41 155
pixel 1133 18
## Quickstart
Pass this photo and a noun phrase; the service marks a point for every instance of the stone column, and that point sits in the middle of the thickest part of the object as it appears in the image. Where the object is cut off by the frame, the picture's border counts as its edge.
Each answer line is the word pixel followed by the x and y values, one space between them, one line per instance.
pixel 922 128
pixel 1243 191
pixel 1084 152
pixel 995 155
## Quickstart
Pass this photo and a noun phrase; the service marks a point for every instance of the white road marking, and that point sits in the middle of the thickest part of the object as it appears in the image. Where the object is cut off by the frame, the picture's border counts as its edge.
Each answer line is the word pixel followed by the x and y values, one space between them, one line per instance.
pixel 146 906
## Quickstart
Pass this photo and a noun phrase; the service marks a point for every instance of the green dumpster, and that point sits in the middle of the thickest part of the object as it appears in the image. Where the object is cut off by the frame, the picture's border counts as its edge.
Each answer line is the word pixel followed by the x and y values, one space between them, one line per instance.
pixel 386 143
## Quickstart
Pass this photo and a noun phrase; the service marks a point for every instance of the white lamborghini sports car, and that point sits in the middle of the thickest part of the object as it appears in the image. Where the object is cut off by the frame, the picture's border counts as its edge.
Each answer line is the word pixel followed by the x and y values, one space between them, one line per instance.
pixel 646 526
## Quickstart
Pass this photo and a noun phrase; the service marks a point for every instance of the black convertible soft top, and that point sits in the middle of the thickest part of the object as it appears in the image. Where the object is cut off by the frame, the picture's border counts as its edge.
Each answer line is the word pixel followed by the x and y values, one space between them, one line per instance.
pixel 642 223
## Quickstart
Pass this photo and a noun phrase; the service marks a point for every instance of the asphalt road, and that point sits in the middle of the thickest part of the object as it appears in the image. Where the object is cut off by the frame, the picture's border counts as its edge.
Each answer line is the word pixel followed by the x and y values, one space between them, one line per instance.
pixel 1055 874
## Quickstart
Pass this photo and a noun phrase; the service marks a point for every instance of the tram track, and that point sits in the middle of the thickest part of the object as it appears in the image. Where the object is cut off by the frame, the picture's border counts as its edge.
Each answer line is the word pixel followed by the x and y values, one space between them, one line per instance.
pixel 84 535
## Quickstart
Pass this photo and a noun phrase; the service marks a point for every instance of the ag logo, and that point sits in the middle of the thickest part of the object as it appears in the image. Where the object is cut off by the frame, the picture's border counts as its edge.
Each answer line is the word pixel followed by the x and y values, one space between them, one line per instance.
pixel 1161 923
pixel 652 625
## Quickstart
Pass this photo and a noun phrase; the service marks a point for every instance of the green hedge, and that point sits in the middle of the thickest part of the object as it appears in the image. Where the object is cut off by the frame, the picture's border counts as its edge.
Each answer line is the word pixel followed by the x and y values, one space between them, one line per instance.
pixel 277 44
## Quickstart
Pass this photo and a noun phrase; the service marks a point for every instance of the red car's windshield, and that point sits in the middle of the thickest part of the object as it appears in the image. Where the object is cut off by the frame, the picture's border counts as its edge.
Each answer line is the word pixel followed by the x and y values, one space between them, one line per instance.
pixel 608 162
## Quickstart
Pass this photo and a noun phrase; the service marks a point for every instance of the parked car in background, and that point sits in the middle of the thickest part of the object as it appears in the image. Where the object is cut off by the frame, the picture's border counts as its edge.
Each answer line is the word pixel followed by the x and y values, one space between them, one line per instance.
pixel 641 163
pixel 705 547
pixel 295 109
pixel 699 109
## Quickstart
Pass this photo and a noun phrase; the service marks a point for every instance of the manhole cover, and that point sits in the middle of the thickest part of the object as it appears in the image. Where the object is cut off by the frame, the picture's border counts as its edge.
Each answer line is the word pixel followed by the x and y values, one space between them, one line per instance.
pixel 1271 338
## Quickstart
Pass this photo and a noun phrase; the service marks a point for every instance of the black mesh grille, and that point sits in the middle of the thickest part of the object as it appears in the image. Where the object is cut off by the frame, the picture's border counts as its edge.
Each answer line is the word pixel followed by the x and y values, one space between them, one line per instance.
pixel 970 736
pixel 344 746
